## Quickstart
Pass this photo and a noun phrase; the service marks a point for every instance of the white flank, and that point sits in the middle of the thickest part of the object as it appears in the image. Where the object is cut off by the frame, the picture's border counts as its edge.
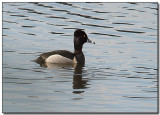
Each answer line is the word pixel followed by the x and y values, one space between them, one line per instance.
pixel 58 59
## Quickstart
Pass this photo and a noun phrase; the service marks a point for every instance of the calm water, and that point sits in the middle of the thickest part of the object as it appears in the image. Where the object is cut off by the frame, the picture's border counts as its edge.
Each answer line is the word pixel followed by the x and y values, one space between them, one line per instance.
pixel 120 74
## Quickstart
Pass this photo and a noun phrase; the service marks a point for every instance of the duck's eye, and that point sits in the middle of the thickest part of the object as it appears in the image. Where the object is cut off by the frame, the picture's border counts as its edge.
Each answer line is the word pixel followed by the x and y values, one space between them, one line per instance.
pixel 84 35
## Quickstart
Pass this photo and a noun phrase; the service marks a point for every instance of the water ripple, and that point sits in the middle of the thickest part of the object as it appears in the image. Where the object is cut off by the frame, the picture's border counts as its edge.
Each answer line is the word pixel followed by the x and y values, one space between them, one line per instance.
pixel 9 11
pixel 151 8
pixel 122 23
pixel 60 10
pixel 56 33
pixel 18 82
pixel 10 21
pixel 32 20
pixel 56 17
pixel 28 34
pixel 28 26
pixel 149 91
pixel 56 24
pixel 97 25
pixel 129 31
pixel 68 4
pixel 86 16
pixel 40 4
pixel 139 97
pixel 105 34
pixel 19 15
pixel 26 9
pixel 149 28
pixel 146 42
pixel 100 12
pixel 142 67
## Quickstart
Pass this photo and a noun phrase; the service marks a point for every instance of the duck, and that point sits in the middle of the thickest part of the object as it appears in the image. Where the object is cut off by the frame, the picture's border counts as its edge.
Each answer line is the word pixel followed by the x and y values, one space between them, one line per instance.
pixel 65 56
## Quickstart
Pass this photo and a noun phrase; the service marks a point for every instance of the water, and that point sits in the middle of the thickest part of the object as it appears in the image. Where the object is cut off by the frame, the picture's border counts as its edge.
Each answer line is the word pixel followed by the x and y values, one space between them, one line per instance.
pixel 120 74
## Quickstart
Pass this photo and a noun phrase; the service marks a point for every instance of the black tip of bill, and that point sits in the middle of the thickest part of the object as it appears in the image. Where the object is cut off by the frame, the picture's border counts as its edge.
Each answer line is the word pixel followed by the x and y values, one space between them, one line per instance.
pixel 89 41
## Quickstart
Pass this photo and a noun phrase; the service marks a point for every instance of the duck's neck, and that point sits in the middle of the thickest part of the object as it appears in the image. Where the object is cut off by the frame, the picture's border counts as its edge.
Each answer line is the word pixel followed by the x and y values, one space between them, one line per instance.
pixel 78 47
pixel 79 56
pixel 77 52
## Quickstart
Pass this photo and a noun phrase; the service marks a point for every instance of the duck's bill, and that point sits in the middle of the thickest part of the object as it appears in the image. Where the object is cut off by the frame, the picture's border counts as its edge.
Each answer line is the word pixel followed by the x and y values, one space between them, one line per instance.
pixel 89 41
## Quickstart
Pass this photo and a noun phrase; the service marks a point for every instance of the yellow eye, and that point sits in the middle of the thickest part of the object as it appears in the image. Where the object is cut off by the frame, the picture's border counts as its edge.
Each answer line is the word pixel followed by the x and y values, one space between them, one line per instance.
pixel 84 35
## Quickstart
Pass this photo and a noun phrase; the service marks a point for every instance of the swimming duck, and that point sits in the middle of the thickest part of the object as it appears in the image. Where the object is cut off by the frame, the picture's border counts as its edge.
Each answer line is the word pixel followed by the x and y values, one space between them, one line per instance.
pixel 64 56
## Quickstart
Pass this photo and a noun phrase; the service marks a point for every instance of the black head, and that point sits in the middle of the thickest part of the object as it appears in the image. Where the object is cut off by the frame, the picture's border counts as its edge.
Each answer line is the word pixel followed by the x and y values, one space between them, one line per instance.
pixel 80 37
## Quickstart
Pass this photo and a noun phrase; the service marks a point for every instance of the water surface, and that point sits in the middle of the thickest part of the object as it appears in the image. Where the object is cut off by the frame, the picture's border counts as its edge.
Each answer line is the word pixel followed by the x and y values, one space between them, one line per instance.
pixel 120 74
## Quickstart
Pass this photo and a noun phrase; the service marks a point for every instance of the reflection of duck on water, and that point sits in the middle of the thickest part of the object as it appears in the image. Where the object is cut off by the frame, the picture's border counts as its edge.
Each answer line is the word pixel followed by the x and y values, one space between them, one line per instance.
pixel 78 81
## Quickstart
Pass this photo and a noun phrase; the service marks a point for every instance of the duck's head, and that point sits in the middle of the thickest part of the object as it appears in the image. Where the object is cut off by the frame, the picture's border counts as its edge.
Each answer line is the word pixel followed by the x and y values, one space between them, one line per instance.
pixel 80 37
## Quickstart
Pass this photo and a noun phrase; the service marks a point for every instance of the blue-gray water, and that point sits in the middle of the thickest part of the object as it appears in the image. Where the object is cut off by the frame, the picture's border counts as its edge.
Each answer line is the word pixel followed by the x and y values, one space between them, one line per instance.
pixel 120 74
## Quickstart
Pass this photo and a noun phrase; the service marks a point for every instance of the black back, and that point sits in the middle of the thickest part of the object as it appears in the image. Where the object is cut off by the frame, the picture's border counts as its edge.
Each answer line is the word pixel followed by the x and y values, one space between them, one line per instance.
pixel 63 53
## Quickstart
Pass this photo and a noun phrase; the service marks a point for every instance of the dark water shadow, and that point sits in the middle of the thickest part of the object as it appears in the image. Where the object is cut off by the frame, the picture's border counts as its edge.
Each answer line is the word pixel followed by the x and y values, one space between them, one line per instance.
pixel 78 81
pixel 129 31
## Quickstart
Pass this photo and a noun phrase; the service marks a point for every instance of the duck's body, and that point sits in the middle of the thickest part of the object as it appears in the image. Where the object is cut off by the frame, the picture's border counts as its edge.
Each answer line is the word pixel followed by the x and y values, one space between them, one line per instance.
pixel 57 56
pixel 64 56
